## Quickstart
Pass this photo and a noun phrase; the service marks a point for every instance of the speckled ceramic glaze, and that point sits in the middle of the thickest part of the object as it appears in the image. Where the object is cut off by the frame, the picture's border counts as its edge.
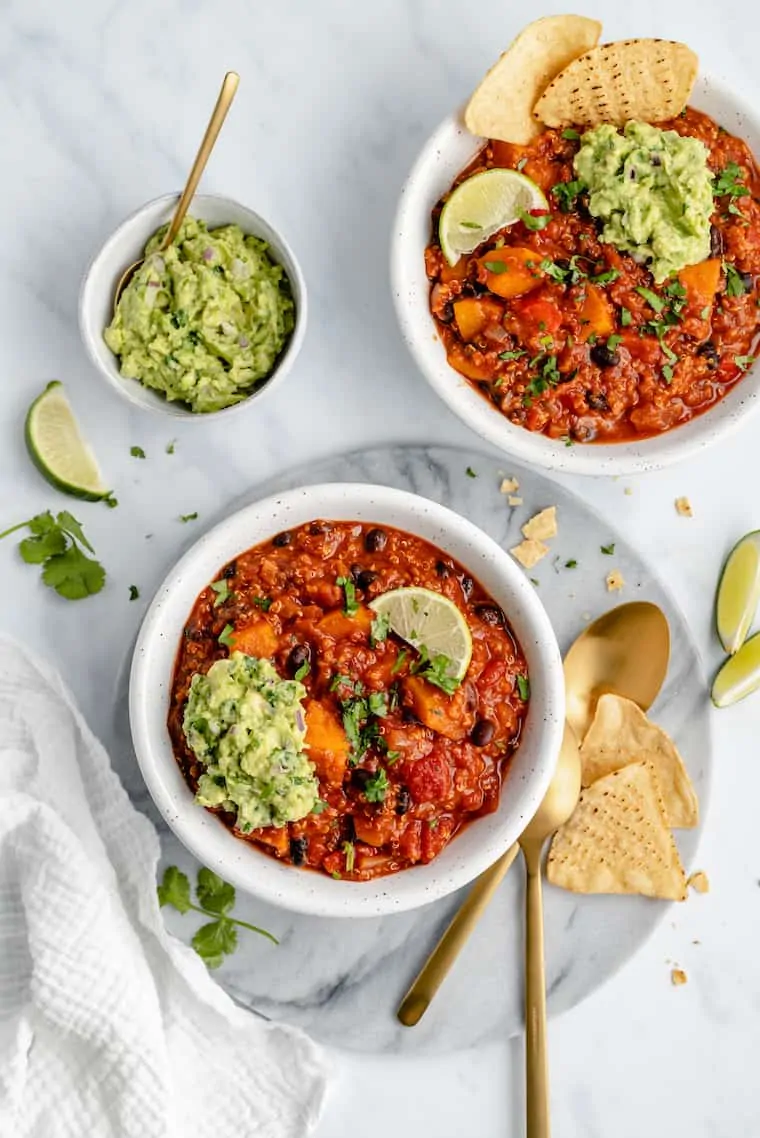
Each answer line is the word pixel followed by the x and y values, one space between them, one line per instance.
pixel 444 155
pixel 276 882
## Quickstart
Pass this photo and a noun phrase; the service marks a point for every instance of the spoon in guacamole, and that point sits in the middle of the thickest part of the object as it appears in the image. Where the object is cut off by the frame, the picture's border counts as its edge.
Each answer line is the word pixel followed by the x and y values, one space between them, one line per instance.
pixel 216 122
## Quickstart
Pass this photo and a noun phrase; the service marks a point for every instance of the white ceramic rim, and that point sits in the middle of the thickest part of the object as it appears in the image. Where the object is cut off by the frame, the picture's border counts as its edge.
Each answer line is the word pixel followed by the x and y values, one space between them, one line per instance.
pixel 159 210
pixel 410 296
pixel 280 884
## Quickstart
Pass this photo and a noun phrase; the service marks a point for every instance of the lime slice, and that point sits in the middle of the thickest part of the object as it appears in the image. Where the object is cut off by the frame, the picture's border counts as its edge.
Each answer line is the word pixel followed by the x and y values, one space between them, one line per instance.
pixel 739 676
pixel 738 592
pixel 430 622
pixel 483 205
pixel 57 448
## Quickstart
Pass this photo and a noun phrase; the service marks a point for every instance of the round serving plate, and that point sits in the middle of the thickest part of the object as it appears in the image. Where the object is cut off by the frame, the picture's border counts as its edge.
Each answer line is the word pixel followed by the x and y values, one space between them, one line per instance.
pixel 342 980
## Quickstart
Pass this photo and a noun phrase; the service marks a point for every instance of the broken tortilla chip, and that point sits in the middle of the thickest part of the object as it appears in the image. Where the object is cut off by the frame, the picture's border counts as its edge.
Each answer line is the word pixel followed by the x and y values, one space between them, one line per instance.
pixel 542 525
pixel 644 79
pixel 699 882
pixel 615 581
pixel 529 553
pixel 502 104
pixel 618 840
pixel 509 485
pixel 621 733
pixel 678 977
pixel 684 508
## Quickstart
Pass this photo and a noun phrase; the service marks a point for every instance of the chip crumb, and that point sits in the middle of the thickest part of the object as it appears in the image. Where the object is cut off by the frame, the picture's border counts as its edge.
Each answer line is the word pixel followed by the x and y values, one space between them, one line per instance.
pixel 683 507
pixel 509 485
pixel 586 616
pixel 513 501
pixel 542 525
pixel 696 942
pixel 615 581
pixel 699 882
pixel 678 977
pixel 628 490
pixel 529 552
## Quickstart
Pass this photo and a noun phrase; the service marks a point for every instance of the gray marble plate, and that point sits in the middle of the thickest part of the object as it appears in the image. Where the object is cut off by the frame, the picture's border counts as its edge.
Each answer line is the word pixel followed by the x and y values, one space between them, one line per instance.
pixel 342 980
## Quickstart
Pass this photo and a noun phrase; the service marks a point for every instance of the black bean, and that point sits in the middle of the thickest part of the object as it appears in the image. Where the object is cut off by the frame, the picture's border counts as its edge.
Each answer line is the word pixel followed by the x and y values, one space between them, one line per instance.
pixel 403 800
pixel 656 160
pixel 297 657
pixel 709 353
pixel 408 716
pixel 229 570
pixel 366 578
pixel 355 571
pixel 482 733
pixel 348 829
pixel 299 847
pixel 467 585
pixel 360 778
pixel 319 527
pixel 442 569
pixel 491 614
pixel 282 539
pixel 446 315
pixel 748 281
pixel 375 540
pixel 597 401
pixel 716 242
pixel 603 356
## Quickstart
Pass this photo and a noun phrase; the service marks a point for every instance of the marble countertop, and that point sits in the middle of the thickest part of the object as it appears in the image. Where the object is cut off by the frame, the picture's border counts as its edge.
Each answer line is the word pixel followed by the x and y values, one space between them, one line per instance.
pixel 102 106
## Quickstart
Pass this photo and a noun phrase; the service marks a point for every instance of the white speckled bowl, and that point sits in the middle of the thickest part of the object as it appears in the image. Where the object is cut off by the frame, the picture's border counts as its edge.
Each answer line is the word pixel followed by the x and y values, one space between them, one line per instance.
pixel 444 155
pixel 126 245
pixel 471 852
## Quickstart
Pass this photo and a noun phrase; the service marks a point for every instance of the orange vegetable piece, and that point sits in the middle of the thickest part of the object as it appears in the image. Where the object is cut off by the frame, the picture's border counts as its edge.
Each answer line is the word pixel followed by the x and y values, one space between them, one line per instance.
pixel 339 625
pixel 257 639
pixel 328 747
pixel 473 314
pixel 374 831
pixel 597 310
pixel 521 271
pixel 276 837
pixel 466 365
pixel 701 283
pixel 449 715
pixel 455 272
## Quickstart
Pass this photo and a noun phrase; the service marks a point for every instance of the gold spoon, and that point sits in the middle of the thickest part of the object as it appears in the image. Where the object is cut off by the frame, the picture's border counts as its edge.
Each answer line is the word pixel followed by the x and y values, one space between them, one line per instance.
pixel 625 651
pixel 223 104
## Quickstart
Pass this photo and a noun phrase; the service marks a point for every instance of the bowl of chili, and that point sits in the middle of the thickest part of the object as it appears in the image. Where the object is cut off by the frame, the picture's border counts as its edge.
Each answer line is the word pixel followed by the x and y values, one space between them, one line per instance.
pixel 420 788
pixel 672 370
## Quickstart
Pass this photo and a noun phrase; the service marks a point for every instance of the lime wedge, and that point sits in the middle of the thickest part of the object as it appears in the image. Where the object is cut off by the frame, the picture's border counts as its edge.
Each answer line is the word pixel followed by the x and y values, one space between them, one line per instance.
pixel 429 622
pixel 739 676
pixel 57 448
pixel 738 592
pixel 483 205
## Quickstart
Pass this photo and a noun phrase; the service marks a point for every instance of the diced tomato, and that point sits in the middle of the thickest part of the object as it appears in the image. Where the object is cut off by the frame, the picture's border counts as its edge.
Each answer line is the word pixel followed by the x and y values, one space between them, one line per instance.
pixel 429 779
pixel 644 348
pixel 435 837
pixel 538 314
pixel 410 843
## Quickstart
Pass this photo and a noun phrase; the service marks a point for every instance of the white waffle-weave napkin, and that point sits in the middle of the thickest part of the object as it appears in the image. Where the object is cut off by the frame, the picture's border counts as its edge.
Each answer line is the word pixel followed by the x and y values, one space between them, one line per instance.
pixel 109 1027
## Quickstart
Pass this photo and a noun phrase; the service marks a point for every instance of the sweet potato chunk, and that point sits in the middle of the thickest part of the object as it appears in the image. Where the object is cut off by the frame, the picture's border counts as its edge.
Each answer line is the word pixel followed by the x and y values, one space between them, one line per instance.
pixel 449 715
pixel 596 314
pixel 257 639
pixel 701 283
pixel 474 313
pixel 327 743
pixel 520 272
pixel 339 625
pixel 467 365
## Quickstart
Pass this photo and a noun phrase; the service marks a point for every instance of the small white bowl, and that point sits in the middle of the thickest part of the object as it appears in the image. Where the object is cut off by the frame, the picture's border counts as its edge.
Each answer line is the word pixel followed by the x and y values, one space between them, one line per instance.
pixel 126 245
pixel 483 841
pixel 445 154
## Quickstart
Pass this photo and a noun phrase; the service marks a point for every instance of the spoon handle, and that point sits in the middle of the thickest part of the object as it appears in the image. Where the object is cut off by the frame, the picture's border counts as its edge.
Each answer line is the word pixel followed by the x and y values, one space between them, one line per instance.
pixel 223 104
pixel 435 969
pixel 537 1076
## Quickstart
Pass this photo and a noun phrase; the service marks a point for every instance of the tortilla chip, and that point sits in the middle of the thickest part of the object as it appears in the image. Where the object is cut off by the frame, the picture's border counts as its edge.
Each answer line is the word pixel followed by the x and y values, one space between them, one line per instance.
pixel 509 485
pixel 621 733
pixel 502 105
pixel 514 501
pixel 618 840
pixel 529 553
pixel 684 508
pixel 650 80
pixel 678 977
pixel 699 882
pixel 615 581
pixel 542 525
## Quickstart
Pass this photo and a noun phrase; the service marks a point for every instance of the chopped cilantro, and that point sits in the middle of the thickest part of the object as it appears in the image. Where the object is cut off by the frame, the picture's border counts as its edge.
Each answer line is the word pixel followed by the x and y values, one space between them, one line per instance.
pixel 263 603
pixel 705 313
pixel 606 278
pixel 471 473
pixel 571 564
pixel 319 807
pixel 379 629
pixel 728 182
pixel 303 671
pixel 137 452
pixel 523 686
pixel 735 285
pixel 436 671
pixel 570 134
pixel 533 222
pixel 222 590
pixel 377 703
pixel 225 636
pixel 376 788
pixel 656 302
pixel 608 549
pixel 625 317
pixel 399 661
pixel 496 267
pixel 351 606
pixel 189 517
pixel 134 592
pixel 613 341
pixel 514 355
pixel 170 447
pixel 744 362
pixel 566 193
pixel 667 373
pixel 349 851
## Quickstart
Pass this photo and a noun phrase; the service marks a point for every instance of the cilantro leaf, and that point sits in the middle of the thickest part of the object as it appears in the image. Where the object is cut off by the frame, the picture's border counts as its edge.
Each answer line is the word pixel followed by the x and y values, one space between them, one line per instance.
pixel 174 890
pixel 73 575
pixel 215 895
pixel 437 672
pixel 728 182
pixel 570 134
pixel 263 603
pixel 735 285
pixel 399 661
pixel 73 528
pixel 225 636
pixel 350 851
pixel 496 267
pixel 566 193
pixel 134 592
pixel 515 355
pixel 214 941
pixel 137 452
pixel 744 362
pixel 471 473
pixel 188 517
pixel 376 788
pixel 171 447
pixel 222 590
pixel 608 549
pixel 351 606
pixel 379 629
pixel 534 222
pixel 572 564
pixel 656 302
pixel 377 703
pixel 625 317
pixel 523 686
pixel 40 546
pixel 303 671
pixel 606 278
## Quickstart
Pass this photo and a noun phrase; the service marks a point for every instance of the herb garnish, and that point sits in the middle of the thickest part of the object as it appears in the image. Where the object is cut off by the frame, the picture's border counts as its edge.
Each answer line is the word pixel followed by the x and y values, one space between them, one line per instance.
pixel 513 355
pixel 359 715
pixel 572 564
pixel 566 193
pixel 656 302
pixel 376 788
pixel 470 225
pixel 735 285
pixel 535 224
pixel 170 447
pixel 225 636
pixel 625 317
pixel 349 850
pixel 570 134
pixel 744 362
pixel 222 590
pixel 496 267
pixel 351 605
pixel 605 278
pixel 471 473
pixel 217 939
pixel 137 452
pixel 728 183
pixel 399 661
pixel 608 549
pixel 523 686
pixel 379 629
pixel 55 544
pixel 134 592
pixel 303 671
pixel 189 517
pixel 436 670
pixel 263 603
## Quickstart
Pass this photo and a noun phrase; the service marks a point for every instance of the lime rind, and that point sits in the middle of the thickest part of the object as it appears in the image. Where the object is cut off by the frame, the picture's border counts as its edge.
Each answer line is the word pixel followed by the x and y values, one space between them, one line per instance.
pixel 739 676
pixel 482 205
pixel 430 621
pixel 738 592
pixel 57 448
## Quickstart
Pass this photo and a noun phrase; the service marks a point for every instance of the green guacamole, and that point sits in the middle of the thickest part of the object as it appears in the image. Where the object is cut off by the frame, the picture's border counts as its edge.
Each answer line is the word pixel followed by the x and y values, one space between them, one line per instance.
pixel 653 191
pixel 204 321
pixel 246 726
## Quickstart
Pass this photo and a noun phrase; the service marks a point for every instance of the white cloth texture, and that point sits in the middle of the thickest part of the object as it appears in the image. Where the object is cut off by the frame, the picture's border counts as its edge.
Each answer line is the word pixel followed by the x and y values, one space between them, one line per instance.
pixel 109 1026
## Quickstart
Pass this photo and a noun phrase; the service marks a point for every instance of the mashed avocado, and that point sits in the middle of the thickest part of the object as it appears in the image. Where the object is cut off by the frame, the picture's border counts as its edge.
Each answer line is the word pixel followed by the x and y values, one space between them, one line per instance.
pixel 653 191
pixel 246 726
pixel 204 321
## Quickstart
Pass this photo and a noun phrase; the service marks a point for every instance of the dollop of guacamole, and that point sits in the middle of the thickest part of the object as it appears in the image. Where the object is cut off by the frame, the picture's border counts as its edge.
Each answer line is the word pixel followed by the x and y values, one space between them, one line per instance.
pixel 204 321
pixel 246 726
pixel 652 189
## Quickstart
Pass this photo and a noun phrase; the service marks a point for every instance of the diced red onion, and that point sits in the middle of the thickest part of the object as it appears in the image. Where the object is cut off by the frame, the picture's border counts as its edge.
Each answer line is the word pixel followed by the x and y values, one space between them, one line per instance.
pixel 300 724
pixel 243 341
pixel 153 284
pixel 208 254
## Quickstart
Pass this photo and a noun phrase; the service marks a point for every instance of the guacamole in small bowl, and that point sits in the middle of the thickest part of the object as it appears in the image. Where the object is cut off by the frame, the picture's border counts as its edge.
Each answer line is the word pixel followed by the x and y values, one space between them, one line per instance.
pixel 205 321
